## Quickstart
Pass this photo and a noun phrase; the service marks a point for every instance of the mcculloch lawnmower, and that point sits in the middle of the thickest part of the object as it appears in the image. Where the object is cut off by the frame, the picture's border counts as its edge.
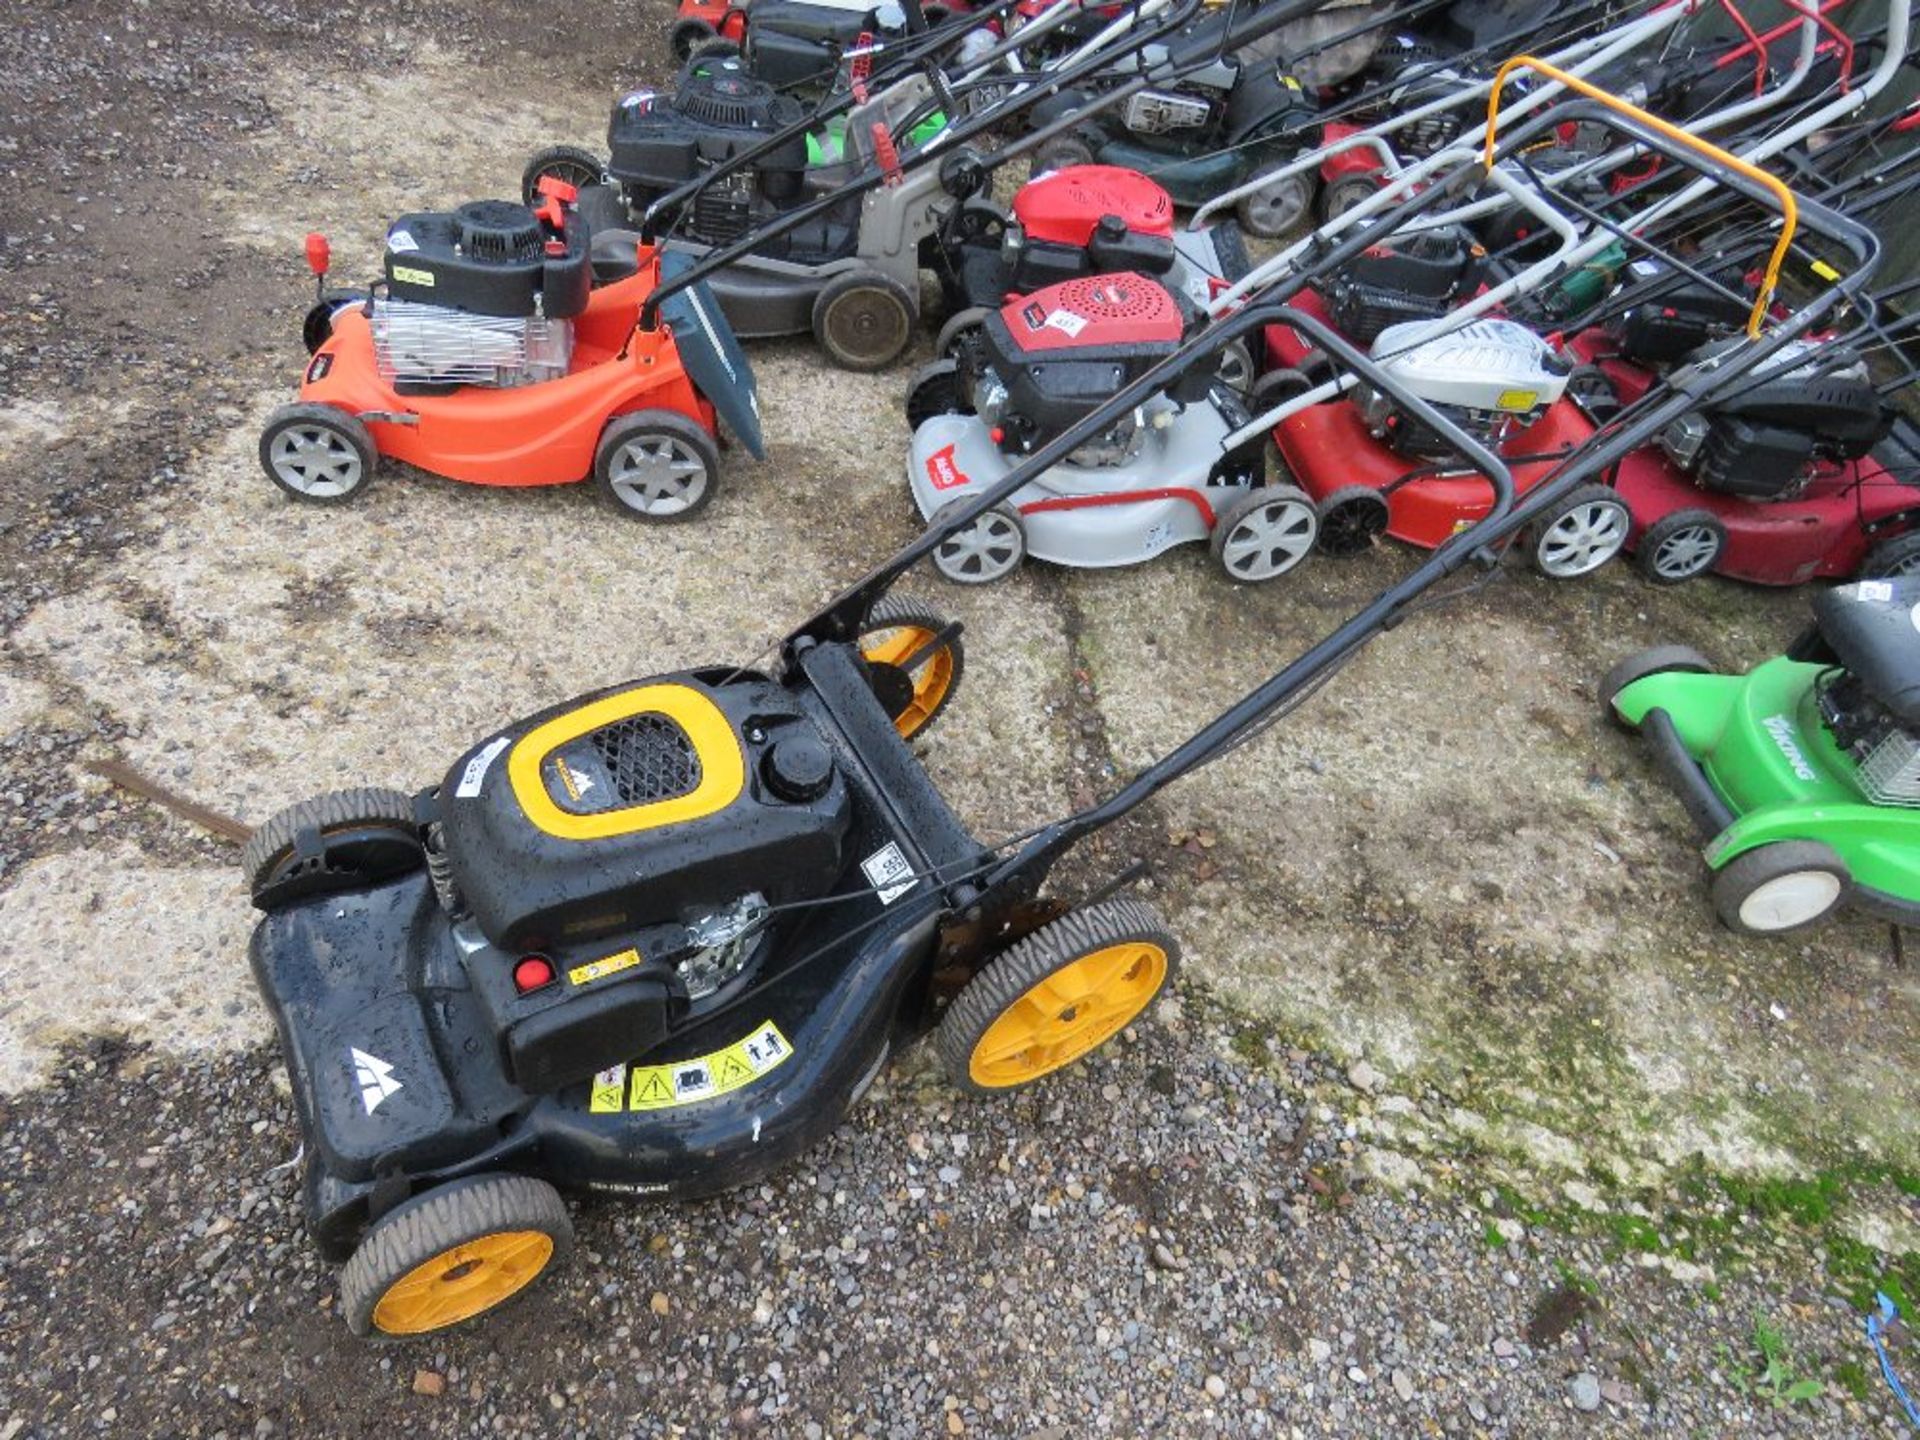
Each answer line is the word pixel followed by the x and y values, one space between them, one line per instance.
pixel 484 355
pixel 654 942
pixel 1803 774
pixel 837 249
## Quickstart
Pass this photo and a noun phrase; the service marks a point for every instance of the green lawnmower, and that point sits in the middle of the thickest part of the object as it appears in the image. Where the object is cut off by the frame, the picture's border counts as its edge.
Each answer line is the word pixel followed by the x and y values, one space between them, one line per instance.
pixel 1805 771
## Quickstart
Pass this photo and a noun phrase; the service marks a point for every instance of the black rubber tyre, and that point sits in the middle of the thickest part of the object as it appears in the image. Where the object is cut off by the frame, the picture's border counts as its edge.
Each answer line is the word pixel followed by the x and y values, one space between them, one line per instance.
pixel 1277 386
pixel 369 830
pixel 657 466
pixel 1061 153
pixel 1263 533
pixel 1234 367
pixel 1277 209
pixel 1680 547
pixel 1898 556
pixel 864 320
pixel 956 325
pixel 317 328
pixel 579 168
pixel 1656 660
pixel 1048 952
pixel 1585 531
pixel 1352 520
pixel 1779 888
pixel 990 549
pixel 718 48
pixel 317 454
pixel 480 1211
pixel 1345 193
pixel 935 390
pixel 912 700
pixel 686 35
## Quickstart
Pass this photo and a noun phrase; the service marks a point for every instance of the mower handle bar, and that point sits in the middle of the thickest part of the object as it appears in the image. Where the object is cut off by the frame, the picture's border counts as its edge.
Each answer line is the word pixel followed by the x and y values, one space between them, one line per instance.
pixel 1269 17
pixel 902 62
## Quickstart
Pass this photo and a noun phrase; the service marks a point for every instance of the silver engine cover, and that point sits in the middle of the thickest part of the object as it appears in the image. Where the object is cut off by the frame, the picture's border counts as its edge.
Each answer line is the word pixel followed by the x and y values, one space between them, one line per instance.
pixel 433 345
pixel 1495 366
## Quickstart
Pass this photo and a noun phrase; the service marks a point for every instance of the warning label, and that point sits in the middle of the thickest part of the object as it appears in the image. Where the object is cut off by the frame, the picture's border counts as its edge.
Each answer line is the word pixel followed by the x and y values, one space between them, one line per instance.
pixel 609 1091
pixel 687 1082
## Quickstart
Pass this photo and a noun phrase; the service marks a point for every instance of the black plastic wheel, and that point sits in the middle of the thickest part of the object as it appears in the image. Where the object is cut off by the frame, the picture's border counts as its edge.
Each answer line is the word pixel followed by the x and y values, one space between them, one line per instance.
pixel 1656 660
pixel 317 328
pixel 1352 520
pixel 1056 995
pixel 900 629
pixel 1897 556
pixel 935 390
pixel 365 836
pixel 1345 193
pixel 1680 547
pixel 956 325
pixel 1062 153
pixel 579 168
pixel 686 35
pixel 1278 386
pixel 1779 888
pixel 657 466
pixel 317 454
pixel 454 1253
pixel 864 320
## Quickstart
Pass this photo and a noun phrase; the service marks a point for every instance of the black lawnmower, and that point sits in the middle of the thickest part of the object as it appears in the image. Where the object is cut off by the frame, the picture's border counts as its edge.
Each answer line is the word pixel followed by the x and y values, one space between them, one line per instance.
pixel 655 941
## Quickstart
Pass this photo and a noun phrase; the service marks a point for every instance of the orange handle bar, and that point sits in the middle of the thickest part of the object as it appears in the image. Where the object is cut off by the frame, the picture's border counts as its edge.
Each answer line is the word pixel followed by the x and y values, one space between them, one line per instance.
pixel 1789 207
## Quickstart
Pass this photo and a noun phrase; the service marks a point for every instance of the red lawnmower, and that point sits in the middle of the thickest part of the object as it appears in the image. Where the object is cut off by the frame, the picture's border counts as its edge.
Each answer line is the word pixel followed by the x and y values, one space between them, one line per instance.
pixel 484 355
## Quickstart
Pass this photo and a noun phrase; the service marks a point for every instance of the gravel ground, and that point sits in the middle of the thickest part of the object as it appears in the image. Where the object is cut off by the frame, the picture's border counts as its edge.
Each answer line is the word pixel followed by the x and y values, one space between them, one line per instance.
pixel 1419 1150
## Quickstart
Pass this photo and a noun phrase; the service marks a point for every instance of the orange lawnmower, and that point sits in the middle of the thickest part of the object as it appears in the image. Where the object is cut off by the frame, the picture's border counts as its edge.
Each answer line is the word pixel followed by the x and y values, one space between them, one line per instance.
pixel 486 355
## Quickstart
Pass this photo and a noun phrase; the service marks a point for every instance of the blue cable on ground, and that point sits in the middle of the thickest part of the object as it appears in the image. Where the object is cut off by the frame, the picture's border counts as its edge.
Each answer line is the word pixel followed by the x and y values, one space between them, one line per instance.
pixel 1877 1322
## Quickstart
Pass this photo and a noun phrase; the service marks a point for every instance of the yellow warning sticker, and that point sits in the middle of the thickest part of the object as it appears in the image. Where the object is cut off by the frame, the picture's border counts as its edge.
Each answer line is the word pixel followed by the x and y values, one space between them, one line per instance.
pixel 606 965
pixel 1517 399
pixel 686 1082
pixel 1824 270
pixel 408 275
pixel 609 1091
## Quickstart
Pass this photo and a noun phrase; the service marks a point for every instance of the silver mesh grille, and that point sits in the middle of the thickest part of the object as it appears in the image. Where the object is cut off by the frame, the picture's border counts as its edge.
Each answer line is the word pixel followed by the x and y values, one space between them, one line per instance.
pixel 1891 772
pixel 432 345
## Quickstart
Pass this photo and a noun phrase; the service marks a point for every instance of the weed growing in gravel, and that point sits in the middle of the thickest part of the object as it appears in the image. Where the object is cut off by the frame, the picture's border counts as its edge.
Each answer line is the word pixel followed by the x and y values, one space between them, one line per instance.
pixel 1776 1380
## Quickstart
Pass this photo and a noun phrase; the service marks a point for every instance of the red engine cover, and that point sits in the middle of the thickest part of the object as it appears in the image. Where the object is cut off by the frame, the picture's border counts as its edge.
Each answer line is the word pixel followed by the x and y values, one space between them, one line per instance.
pixel 1095 312
pixel 1063 207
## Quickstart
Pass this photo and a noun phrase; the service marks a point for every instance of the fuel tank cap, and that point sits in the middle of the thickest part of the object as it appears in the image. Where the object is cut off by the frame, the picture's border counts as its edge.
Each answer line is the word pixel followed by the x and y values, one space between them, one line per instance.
pixel 798 768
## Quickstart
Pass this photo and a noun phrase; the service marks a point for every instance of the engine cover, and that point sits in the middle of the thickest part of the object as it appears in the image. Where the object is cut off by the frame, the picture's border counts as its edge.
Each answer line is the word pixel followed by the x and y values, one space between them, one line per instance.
pixel 652 804
pixel 1402 278
pixel 492 257
pixel 1487 365
pixel 1065 207
pixel 1045 360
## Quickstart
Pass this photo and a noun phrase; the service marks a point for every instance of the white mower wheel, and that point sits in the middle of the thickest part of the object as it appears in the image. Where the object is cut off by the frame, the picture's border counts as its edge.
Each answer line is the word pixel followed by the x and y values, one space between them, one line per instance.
pixel 317 453
pixel 1777 888
pixel 990 549
pixel 1264 532
pixel 1580 534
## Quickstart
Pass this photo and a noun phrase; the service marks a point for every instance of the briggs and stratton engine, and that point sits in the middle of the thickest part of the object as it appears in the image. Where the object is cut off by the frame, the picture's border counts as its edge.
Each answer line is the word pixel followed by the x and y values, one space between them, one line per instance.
pixel 1085 219
pixel 482 295
pixel 1415 276
pixel 1769 442
pixel 1041 363
pixel 1490 377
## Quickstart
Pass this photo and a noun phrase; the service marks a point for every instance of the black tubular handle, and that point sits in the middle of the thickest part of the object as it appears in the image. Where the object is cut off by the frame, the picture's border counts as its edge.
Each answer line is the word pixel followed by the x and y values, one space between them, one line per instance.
pixel 926 49
pixel 1268 17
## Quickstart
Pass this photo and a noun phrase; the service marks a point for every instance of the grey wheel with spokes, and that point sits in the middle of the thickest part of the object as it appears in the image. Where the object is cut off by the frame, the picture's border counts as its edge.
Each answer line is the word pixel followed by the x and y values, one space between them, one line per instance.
pixel 1277 206
pixel 1680 546
pixel 1264 532
pixel 317 453
pixel 657 466
pixel 989 549
pixel 1580 534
